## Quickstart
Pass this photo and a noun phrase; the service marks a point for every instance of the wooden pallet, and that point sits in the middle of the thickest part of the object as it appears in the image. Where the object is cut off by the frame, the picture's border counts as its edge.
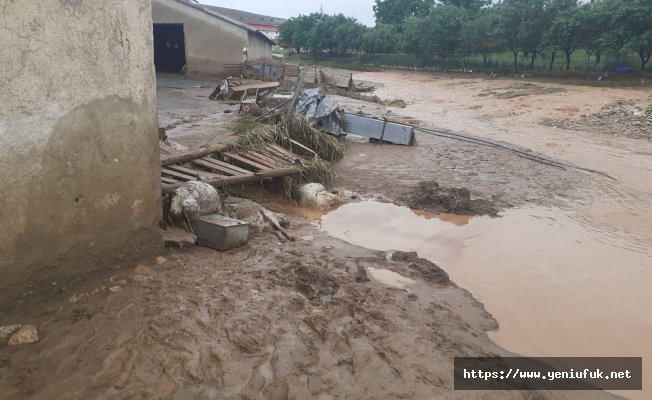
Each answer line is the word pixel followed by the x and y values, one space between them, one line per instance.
pixel 226 168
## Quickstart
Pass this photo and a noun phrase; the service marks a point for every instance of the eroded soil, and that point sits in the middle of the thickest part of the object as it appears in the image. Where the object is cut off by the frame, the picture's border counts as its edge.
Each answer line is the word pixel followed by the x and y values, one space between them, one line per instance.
pixel 269 321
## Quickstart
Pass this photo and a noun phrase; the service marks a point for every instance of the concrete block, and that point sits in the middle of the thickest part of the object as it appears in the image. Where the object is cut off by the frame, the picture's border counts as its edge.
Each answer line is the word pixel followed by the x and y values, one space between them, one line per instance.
pixel 220 233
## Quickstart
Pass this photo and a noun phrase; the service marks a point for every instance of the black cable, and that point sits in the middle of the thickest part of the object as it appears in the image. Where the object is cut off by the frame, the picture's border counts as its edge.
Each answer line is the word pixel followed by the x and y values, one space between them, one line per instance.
pixel 519 153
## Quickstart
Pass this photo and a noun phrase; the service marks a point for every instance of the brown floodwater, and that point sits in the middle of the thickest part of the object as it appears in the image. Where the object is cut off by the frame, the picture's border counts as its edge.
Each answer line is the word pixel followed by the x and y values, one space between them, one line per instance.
pixel 559 284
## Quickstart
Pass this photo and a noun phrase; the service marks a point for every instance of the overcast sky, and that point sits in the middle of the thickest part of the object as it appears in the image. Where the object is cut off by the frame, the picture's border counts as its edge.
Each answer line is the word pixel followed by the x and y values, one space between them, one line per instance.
pixel 360 9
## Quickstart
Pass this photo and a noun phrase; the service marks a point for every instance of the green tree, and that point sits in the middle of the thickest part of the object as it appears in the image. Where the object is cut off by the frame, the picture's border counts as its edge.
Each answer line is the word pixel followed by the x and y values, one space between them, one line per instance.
pixel 395 11
pixel 483 33
pixel 565 33
pixel 633 31
pixel 296 31
pixel 596 23
pixel 522 26
pixel 286 32
pixel 383 38
pixel 471 5
pixel 349 35
pixel 443 30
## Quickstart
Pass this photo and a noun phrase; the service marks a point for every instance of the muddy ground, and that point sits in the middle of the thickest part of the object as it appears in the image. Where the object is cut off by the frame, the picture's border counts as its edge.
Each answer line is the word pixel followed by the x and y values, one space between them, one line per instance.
pixel 303 320
pixel 269 321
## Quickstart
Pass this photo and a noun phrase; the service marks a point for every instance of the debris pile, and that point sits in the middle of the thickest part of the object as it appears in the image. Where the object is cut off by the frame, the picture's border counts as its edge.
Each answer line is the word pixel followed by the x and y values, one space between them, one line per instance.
pixel 614 119
pixel 431 197
pixel 323 112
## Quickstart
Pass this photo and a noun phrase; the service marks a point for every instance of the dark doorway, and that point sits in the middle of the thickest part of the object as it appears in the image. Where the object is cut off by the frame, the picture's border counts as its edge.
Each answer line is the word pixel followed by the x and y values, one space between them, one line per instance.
pixel 169 47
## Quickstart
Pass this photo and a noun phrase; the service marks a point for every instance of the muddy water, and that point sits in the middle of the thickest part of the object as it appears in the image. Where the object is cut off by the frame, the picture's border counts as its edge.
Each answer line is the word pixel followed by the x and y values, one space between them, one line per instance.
pixel 558 284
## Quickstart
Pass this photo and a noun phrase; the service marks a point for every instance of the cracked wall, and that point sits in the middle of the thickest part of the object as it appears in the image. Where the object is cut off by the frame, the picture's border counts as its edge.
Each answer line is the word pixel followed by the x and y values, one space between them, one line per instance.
pixel 79 163
pixel 210 42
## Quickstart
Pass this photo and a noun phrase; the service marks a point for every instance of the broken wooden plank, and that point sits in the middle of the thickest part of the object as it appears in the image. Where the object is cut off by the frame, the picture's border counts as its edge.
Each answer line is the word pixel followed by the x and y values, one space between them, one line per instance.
pixel 236 92
pixel 183 170
pixel 224 168
pixel 238 180
pixel 282 156
pixel 253 156
pixel 288 154
pixel 280 161
pixel 168 181
pixel 245 161
pixel 302 146
pixel 297 89
pixel 178 175
pixel 191 155
pixel 227 165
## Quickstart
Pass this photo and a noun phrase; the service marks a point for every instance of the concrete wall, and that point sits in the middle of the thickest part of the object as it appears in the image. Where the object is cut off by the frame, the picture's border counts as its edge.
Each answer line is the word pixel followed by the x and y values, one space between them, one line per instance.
pixel 79 159
pixel 210 41
pixel 259 48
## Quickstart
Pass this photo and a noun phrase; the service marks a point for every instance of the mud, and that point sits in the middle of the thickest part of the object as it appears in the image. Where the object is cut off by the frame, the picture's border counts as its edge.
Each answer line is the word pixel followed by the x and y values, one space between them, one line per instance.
pixel 425 269
pixel 327 319
pixel 429 196
pixel 266 321
pixel 520 90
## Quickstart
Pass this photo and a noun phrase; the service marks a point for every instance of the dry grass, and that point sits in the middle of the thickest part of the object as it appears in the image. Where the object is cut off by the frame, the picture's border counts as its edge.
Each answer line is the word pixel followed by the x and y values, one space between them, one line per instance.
pixel 314 169
pixel 245 123
pixel 297 128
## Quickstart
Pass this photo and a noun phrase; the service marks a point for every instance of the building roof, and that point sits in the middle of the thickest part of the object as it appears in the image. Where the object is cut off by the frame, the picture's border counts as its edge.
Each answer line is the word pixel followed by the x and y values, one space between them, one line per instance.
pixel 225 18
pixel 247 17
pixel 269 28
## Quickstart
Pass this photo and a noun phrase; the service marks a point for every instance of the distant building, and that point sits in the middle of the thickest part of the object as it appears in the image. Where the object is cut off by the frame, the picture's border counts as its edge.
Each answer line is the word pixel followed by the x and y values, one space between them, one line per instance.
pixel 186 33
pixel 264 23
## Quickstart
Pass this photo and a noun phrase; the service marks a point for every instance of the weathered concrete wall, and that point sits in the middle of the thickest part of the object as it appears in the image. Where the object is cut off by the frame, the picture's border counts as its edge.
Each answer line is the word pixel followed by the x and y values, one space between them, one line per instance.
pixel 79 163
pixel 259 49
pixel 210 41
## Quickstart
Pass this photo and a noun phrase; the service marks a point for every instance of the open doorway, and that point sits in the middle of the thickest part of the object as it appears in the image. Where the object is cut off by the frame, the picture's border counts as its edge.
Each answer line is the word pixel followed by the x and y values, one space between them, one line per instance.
pixel 169 47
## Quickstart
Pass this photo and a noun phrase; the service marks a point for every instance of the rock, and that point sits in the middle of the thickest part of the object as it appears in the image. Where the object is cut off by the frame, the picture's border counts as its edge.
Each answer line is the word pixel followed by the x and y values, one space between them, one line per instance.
pixel 7 331
pixel 194 199
pixel 115 289
pixel 315 195
pixel 161 260
pixel 26 334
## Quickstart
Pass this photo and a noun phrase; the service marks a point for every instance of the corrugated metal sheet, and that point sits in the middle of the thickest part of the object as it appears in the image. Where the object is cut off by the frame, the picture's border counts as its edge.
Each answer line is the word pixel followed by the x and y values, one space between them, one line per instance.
pixel 373 128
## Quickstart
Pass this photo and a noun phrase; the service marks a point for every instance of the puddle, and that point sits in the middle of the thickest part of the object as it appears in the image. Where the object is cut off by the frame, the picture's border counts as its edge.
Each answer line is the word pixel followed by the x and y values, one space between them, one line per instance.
pixel 559 284
pixel 389 278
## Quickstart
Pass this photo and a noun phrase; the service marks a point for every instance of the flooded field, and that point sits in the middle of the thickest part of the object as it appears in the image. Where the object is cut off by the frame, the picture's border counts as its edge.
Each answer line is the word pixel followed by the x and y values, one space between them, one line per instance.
pixel 558 284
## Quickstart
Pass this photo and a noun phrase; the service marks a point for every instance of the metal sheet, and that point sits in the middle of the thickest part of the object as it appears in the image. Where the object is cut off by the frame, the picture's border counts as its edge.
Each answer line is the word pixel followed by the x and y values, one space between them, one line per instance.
pixel 373 128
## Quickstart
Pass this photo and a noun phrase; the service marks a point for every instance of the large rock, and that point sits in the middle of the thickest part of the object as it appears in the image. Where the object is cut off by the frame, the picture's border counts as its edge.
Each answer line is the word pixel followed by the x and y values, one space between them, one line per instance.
pixel 26 334
pixel 194 199
pixel 7 331
pixel 315 195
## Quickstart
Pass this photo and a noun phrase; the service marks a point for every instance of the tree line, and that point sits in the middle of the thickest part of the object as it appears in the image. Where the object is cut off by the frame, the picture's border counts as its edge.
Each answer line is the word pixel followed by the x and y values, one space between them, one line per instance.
pixel 531 28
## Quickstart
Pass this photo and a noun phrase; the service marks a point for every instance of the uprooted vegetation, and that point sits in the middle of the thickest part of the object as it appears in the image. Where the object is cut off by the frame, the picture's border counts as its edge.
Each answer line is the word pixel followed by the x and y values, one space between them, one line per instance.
pixel 295 134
